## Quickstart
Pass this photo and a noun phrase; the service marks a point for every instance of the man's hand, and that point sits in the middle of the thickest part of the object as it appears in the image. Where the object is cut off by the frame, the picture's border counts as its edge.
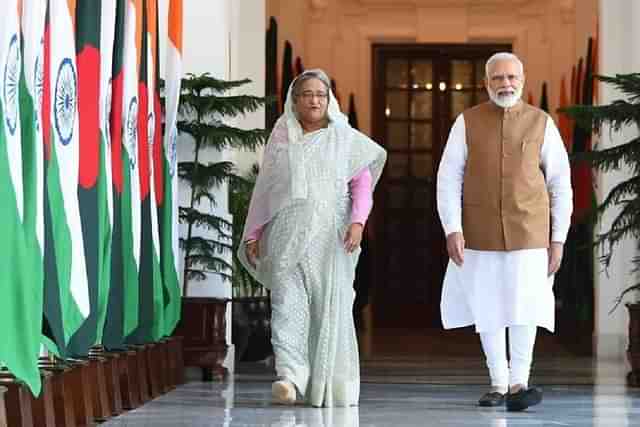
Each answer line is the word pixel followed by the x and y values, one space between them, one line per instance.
pixel 455 247
pixel 555 257
pixel 252 252
pixel 353 237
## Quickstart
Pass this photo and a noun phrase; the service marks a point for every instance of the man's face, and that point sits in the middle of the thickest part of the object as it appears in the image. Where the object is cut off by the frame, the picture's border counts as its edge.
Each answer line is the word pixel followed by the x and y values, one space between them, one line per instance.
pixel 505 83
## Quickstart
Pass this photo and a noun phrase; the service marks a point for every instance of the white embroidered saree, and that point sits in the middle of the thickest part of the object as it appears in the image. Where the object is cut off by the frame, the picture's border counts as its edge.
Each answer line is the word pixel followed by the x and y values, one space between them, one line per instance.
pixel 302 202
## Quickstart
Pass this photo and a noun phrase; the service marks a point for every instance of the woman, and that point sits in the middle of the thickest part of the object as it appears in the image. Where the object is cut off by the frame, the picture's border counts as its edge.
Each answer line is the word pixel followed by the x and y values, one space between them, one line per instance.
pixel 301 240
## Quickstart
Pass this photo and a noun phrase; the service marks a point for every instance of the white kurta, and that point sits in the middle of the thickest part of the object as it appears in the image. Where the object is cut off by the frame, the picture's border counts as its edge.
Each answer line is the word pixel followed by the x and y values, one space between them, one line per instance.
pixel 497 289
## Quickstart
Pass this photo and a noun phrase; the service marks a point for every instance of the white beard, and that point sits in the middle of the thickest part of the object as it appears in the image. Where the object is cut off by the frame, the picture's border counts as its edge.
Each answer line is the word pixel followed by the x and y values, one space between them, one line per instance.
pixel 505 100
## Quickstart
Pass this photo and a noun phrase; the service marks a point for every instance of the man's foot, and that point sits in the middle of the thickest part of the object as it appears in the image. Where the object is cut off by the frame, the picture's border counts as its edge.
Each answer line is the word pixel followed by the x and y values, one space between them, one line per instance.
pixel 283 392
pixel 523 398
pixel 493 398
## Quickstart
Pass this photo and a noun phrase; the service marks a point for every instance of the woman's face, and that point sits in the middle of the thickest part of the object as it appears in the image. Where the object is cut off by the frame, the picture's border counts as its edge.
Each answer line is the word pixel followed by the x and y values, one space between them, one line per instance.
pixel 311 101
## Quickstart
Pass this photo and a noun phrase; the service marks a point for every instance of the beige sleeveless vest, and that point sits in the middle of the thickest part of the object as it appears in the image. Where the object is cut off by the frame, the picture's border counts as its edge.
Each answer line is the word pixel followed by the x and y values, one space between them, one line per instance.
pixel 505 202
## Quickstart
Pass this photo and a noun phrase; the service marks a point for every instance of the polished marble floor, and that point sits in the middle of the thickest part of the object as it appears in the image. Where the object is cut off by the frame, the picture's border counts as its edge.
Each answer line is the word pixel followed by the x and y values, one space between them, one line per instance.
pixel 410 381
pixel 243 401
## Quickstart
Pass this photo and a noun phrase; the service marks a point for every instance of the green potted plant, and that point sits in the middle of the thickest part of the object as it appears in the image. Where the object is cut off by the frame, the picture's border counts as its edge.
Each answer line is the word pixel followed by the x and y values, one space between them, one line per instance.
pixel 625 195
pixel 251 302
pixel 204 111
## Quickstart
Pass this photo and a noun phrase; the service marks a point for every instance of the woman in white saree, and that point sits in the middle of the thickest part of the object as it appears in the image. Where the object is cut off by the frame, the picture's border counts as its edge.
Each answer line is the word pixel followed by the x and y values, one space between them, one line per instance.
pixel 301 240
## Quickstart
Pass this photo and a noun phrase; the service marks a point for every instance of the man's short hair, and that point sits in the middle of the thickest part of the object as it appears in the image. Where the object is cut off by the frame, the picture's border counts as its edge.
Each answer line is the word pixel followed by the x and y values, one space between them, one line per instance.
pixel 503 56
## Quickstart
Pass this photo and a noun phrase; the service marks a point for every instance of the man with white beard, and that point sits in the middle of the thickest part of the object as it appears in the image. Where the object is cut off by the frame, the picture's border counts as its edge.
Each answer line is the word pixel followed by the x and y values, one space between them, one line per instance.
pixel 505 201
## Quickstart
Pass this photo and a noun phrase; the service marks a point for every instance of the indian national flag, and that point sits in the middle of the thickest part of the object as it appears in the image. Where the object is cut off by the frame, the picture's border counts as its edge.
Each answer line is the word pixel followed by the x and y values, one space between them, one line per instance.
pixel 153 128
pixel 21 272
pixel 33 20
pixel 130 211
pixel 149 273
pixel 66 290
pixel 168 210
pixel 10 74
pixel 161 290
pixel 31 93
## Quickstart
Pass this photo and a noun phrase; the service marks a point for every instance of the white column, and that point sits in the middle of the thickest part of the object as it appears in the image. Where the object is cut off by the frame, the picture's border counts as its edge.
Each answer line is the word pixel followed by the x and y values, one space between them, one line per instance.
pixel 225 38
pixel 206 42
pixel 207 49
pixel 248 61
pixel 206 37
pixel 618 54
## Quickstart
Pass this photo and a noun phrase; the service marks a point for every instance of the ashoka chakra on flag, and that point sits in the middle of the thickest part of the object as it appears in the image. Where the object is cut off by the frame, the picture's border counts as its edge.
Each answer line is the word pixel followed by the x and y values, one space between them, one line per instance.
pixel 66 100
pixel 173 150
pixel 38 83
pixel 10 84
pixel 151 128
pixel 132 131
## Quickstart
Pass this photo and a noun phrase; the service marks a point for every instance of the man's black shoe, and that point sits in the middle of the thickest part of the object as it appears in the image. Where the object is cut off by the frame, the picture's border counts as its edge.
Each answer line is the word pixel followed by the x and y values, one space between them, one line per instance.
pixel 493 398
pixel 522 399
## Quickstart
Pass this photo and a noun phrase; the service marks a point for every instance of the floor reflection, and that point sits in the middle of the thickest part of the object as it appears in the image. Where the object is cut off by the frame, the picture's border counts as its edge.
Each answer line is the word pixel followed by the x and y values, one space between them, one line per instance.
pixel 318 417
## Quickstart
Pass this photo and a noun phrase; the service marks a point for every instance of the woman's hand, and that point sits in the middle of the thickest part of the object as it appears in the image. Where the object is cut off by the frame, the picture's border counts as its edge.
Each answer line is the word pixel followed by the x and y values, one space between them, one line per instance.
pixel 353 237
pixel 252 252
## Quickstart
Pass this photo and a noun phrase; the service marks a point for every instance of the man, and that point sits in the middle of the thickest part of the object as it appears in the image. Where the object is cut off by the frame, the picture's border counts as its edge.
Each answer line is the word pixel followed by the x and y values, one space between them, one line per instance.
pixel 504 200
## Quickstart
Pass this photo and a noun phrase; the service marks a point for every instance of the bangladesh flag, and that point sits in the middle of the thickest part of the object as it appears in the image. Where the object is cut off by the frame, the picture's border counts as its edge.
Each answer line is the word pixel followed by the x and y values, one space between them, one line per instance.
pixel 66 286
pixel 87 29
pixel 105 180
pixel 21 273
pixel 130 169
pixel 168 210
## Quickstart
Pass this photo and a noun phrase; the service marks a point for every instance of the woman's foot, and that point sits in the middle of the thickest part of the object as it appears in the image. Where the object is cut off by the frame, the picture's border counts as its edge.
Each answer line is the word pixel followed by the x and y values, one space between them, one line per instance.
pixel 283 392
